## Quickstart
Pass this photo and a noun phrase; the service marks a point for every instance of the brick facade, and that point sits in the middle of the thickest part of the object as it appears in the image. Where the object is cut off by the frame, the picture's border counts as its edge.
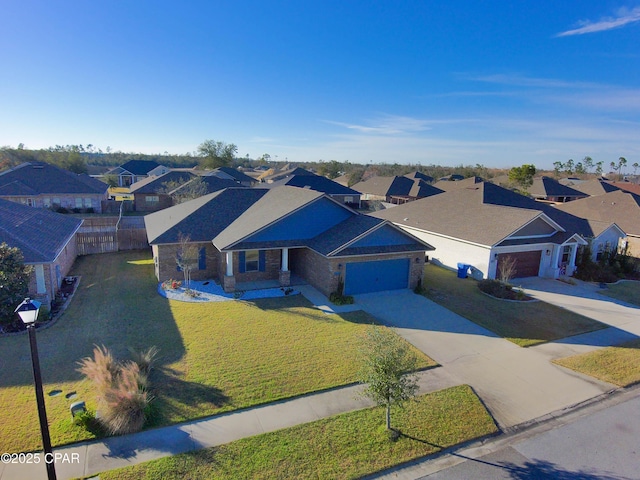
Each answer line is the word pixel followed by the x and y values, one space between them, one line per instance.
pixel 164 257
pixel 53 279
pixel 141 203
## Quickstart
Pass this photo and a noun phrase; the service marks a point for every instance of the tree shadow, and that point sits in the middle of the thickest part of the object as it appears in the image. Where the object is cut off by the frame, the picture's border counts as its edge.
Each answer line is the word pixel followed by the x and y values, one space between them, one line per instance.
pixel 532 469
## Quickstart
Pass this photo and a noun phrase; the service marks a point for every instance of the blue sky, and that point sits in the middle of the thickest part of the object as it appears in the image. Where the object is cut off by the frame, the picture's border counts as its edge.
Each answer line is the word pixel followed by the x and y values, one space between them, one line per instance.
pixel 450 83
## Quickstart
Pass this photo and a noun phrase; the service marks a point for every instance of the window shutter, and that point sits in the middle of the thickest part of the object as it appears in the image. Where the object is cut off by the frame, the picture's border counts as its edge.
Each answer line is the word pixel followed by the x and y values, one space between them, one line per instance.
pixel 241 265
pixel 202 259
pixel 262 260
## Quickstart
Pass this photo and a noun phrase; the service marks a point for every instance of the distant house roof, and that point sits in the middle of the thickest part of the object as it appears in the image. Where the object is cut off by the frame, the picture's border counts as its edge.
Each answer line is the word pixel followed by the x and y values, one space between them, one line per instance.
pixel 544 187
pixel 212 184
pixel 159 183
pixel 448 185
pixel 139 167
pixel 419 176
pixel 275 176
pixel 39 178
pixel 250 218
pixel 385 186
pixel 595 187
pixel 485 214
pixel 237 175
pixel 618 206
pixel 317 183
pixel 39 233
pixel 628 186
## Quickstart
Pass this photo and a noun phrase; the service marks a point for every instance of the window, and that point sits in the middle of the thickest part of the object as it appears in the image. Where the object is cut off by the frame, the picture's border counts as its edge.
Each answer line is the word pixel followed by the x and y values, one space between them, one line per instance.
pixel 251 261
pixel 46 201
pixel 87 203
pixel 152 198
pixel 78 202
pixel 56 201
pixel 566 254
pixel 30 202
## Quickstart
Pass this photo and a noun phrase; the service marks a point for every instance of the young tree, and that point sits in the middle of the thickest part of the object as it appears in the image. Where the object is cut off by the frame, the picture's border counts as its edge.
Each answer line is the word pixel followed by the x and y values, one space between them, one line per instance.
pixel 523 175
pixel 557 167
pixel 14 281
pixel 635 167
pixel 216 154
pixel 186 257
pixel 386 360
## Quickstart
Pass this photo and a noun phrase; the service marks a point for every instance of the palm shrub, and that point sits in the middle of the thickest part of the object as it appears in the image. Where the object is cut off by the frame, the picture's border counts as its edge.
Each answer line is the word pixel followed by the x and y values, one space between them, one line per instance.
pixel 121 388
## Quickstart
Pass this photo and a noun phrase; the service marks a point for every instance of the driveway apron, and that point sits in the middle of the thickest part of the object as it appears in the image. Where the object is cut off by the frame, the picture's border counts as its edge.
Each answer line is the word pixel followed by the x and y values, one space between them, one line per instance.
pixel 516 384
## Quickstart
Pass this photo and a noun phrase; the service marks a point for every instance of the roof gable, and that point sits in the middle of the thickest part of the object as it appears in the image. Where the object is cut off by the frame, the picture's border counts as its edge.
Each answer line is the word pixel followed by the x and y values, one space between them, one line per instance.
pixel 319 184
pixel 139 167
pixel 548 187
pixel 159 183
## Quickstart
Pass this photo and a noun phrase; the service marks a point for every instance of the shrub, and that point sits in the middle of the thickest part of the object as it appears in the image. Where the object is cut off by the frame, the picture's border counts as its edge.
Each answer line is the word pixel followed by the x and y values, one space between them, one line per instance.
pixel 338 297
pixel 120 387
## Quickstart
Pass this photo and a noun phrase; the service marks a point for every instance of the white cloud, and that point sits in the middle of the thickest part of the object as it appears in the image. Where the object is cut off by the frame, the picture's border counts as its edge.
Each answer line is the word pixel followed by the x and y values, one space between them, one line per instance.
pixel 624 17
pixel 387 125
pixel 523 81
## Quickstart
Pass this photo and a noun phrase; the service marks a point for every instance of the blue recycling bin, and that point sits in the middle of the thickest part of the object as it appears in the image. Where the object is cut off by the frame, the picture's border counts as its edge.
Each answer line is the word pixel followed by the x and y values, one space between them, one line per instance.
pixel 463 268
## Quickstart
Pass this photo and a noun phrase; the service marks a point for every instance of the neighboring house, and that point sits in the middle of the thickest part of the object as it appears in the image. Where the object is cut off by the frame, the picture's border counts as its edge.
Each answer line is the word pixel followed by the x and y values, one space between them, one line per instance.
pixel 628 187
pixel 548 189
pixel 246 235
pixel 318 183
pixel 618 206
pixel 47 241
pixel 136 170
pixel 594 187
pixel 210 182
pixel 450 183
pixel 395 190
pixel 487 225
pixel 275 176
pixel 153 193
pixel 237 176
pixel 419 176
pixel 42 185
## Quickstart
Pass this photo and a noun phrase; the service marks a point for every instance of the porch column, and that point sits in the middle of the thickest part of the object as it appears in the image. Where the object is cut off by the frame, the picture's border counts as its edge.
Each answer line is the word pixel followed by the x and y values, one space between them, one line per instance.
pixel 572 263
pixel 229 264
pixel 285 275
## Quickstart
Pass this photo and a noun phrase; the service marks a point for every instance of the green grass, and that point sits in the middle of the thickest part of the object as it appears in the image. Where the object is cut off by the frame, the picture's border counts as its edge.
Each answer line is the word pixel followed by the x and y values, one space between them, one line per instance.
pixel 628 291
pixel 523 323
pixel 214 357
pixel 345 446
pixel 618 365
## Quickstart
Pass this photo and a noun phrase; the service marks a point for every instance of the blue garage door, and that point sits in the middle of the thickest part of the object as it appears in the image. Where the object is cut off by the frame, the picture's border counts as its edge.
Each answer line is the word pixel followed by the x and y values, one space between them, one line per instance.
pixel 367 277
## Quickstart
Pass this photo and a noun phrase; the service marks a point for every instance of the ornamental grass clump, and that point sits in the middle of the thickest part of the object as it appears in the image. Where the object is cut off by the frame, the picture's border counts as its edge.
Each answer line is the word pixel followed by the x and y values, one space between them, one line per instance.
pixel 121 388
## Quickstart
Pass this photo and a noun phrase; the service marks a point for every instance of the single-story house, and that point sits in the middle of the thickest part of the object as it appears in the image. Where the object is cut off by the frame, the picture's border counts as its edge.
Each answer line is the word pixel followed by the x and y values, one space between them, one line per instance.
pixel 47 241
pixel 318 183
pixel 548 189
pixel 486 225
pixel 153 193
pixel 42 185
pixel 135 170
pixel 395 190
pixel 251 234
pixel 420 176
pixel 594 187
pixel 617 206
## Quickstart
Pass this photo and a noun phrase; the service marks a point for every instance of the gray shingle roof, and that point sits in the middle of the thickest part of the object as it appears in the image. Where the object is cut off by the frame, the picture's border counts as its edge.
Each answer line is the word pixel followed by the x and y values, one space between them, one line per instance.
pixel 203 218
pixel 37 178
pixel 39 233
pixel 317 183
pixel 140 167
pixel 385 186
pixel 595 187
pixel 448 185
pixel 158 184
pixel 236 174
pixel 543 187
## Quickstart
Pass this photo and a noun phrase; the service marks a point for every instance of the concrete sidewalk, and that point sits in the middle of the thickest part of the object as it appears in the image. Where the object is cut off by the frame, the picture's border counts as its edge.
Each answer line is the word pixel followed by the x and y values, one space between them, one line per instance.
pixel 115 452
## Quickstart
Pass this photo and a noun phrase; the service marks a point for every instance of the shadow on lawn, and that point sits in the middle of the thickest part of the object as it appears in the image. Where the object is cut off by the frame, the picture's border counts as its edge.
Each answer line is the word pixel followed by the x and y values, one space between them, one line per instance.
pixel 531 469
pixel 115 305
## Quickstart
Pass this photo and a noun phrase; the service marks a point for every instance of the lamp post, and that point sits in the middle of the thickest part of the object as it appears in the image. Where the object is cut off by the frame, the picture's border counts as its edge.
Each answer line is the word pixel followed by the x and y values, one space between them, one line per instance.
pixel 28 311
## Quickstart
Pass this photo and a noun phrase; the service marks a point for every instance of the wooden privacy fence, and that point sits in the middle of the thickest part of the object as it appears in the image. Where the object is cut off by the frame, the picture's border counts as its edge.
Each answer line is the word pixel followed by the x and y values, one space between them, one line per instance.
pixel 106 234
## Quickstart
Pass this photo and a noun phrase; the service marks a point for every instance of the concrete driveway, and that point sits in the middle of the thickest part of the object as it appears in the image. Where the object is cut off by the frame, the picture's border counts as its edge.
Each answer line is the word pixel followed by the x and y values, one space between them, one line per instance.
pixel 583 298
pixel 516 384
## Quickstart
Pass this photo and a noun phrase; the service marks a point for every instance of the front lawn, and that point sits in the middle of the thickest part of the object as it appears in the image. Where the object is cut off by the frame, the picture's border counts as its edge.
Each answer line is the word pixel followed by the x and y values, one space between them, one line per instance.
pixel 214 357
pixel 627 291
pixel 345 446
pixel 523 323
pixel 618 365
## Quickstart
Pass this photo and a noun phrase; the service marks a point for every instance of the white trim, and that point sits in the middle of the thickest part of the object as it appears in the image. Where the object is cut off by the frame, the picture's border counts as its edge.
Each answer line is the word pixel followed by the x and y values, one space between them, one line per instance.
pixel 40 283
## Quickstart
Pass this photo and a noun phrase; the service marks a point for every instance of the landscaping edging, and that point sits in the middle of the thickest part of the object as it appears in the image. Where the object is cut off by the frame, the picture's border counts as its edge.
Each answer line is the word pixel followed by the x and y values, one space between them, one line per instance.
pixel 54 319
pixel 531 299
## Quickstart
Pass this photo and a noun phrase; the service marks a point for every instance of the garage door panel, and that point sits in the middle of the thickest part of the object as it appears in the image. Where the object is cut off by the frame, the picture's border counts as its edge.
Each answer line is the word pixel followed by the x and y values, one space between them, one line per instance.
pixel 376 276
pixel 527 263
